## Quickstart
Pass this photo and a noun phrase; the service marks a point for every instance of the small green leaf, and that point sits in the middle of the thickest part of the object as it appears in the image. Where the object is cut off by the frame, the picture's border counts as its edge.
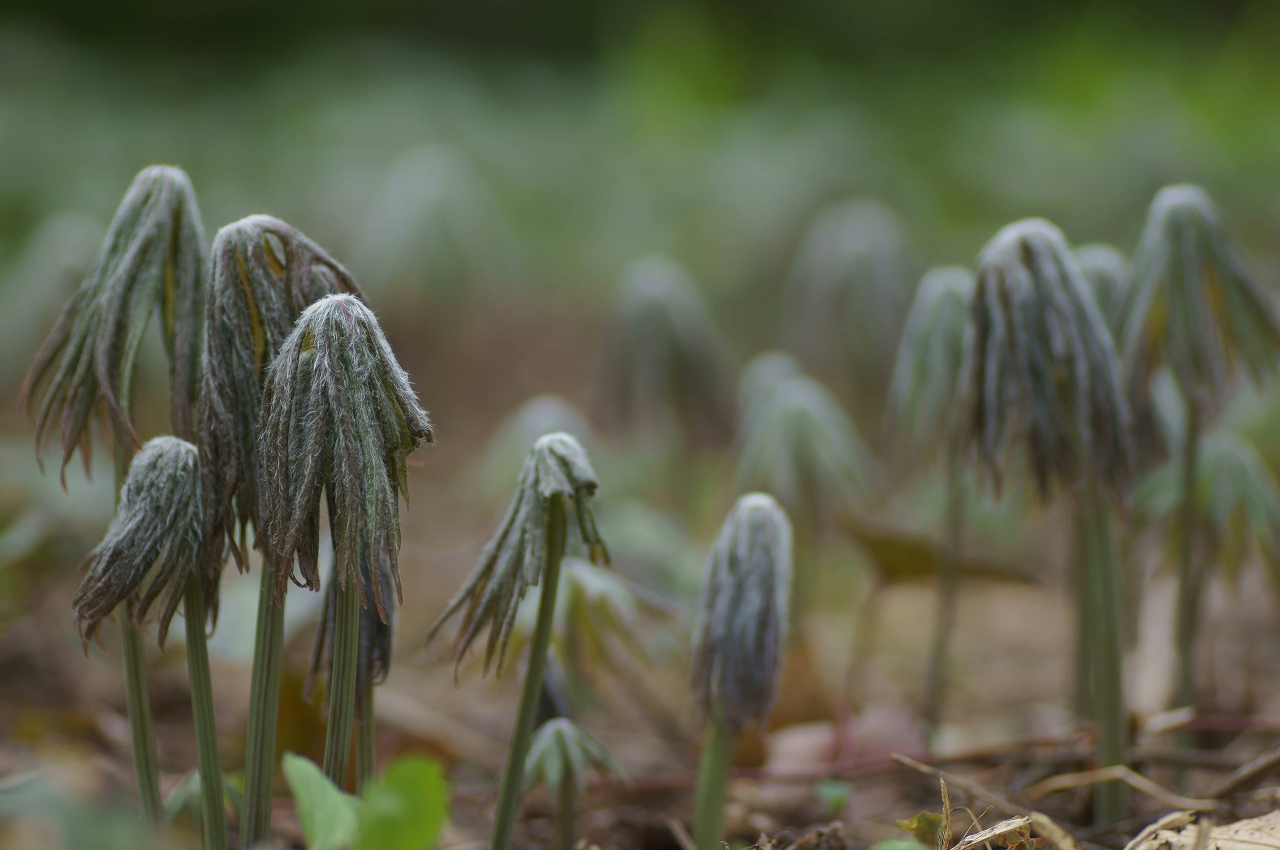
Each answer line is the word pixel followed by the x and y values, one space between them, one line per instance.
pixel 405 808
pixel 834 794
pixel 326 814
pixel 924 827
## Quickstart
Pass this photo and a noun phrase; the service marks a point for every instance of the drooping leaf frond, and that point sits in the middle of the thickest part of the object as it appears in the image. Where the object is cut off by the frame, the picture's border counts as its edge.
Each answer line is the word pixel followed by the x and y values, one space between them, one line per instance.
pixel 1040 369
pixel 1108 273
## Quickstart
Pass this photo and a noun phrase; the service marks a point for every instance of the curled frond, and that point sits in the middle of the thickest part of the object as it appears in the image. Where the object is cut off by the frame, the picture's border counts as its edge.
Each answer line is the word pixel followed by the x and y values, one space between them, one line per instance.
pixel 150 549
pixel 799 444
pixel 742 617
pixel 560 752
pixel 846 288
pixel 922 392
pixel 152 259
pixel 1040 368
pixel 1194 303
pixel 265 273
pixel 664 366
pixel 761 376
pixel 338 415
pixel 1108 273
pixel 557 468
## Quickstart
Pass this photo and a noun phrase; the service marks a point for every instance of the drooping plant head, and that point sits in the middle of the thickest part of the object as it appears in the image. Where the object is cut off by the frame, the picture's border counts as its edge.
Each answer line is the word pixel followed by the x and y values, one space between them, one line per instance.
pixel 742 617
pixel 799 445
pixel 338 416
pixel 562 753
pixel 1108 273
pixel 664 367
pixel 149 550
pixel 1040 369
pixel 152 260
pixel 845 291
pixel 1194 303
pixel 265 273
pixel 761 376
pixel 515 559
pixel 922 392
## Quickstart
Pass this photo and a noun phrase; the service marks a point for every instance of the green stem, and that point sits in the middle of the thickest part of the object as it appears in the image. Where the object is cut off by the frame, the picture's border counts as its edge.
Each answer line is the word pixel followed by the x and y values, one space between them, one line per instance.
pixel 366 735
pixel 213 808
pixel 137 700
pixel 513 772
pixel 713 776
pixel 345 651
pixel 567 815
pixel 1188 573
pixel 1102 576
pixel 264 708
pixel 948 581
pixel 1084 700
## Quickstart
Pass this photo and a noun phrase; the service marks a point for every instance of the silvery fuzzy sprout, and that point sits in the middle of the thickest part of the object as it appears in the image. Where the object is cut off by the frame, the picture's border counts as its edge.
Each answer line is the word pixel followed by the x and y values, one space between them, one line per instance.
pixel 152 260
pixel 848 275
pixel 664 366
pixel 799 444
pixel 761 376
pixel 922 391
pixel 1194 303
pixel 338 415
pixel 506 451
pixel 562 753
pixel 265 273
pixel 742 616
pixel 1108 273
pixel 149 551
pixel 515 558
pixel 1040 367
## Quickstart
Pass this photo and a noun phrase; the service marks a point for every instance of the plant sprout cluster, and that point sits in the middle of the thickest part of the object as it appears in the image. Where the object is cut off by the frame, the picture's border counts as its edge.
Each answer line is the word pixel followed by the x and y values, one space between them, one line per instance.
pixel 293 423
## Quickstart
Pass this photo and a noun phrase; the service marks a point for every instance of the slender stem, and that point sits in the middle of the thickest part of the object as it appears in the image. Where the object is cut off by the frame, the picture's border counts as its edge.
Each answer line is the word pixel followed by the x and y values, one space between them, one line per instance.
pixel 513 772
pixel 342 683
pixel 213 808
pixel 948 580
pixel 137 699
pixel 713 776
pixel 1084 698
pixel 1103 581
pixel 264 707
pixel 1188 572
pixel 567 815
pixel 366 735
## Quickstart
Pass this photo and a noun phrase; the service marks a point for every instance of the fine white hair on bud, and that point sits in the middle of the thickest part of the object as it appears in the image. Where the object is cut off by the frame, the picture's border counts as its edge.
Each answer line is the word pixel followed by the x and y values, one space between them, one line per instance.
pixel 516 557
pixel 265 273
pixel 742 617
pixel 150 549
pixel 1040 367
pixel 339 417
pixel 151 261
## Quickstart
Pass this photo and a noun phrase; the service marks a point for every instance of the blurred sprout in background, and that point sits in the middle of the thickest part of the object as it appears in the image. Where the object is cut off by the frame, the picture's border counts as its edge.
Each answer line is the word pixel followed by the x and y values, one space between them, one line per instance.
pixel 509 446
pixel 1107 270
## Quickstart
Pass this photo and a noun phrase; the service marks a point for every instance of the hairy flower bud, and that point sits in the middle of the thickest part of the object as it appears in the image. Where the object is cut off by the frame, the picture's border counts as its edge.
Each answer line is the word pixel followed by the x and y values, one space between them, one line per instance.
pixel 742 617
pixel 152 259
pixel 514 560
pixel 265 273
pixel 1040 365
pixel 1194 303
pixel 338 415
pixel 150 549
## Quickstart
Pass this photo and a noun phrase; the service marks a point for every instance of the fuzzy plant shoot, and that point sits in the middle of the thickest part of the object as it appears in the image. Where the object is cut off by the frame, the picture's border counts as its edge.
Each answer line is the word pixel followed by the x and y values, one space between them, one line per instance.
pixel 1194 306
pixel 1108 273
pixel 738 644
pixel 264 274
pixel 922 399
pixel 664 369
pixel 1040 371
pixel 339 417
pixel 150 554
pixel 152 260
pixel 557 481
pixel 560 756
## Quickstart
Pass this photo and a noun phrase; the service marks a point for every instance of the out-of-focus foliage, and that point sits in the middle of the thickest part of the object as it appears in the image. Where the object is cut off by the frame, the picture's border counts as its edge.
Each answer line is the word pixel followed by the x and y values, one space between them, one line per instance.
pixel 1107 270
pixel 922 392
pixel 510 445
pixel 664 369
pixel 761 376
pixel 562 753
